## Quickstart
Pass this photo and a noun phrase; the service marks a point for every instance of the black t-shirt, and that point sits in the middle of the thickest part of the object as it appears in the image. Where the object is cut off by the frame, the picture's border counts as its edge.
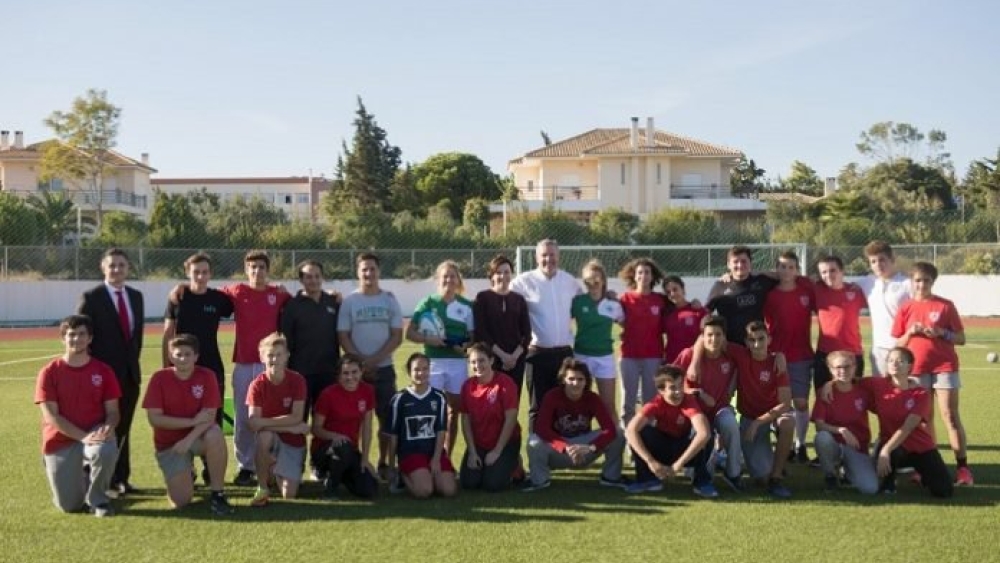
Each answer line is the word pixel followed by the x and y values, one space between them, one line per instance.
pixel 741 302
pixel 199 314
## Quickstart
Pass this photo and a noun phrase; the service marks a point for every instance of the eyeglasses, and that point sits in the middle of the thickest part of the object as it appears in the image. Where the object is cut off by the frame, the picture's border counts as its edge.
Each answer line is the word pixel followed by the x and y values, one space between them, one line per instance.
pixel 844 366
pixel 756 338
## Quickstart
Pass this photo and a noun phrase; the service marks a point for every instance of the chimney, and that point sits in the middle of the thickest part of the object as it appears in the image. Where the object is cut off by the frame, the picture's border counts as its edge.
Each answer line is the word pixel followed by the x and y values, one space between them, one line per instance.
pixel 830 186
pixel 634 138
pixel 145 159
pixel 650 133
pixel 18 139
pixel 4 140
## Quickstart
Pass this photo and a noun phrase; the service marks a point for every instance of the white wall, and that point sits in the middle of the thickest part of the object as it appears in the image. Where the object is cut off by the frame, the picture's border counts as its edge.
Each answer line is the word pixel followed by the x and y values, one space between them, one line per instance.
pixel 47 302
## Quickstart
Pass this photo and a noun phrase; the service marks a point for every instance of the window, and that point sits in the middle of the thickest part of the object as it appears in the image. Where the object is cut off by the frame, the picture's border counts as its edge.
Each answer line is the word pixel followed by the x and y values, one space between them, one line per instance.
pixel 623 173
pixel 302 198
pixel 659 173
pixel 287 198
pixel 531 185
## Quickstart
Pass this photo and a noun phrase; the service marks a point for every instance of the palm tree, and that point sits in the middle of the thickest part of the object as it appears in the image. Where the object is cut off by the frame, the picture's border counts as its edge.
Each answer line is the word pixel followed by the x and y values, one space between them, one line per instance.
pixel 56 215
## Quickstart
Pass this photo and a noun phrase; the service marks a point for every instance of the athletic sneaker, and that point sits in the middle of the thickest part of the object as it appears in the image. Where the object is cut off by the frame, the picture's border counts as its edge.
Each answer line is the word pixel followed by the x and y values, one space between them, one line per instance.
pixel 245 478
pixel 706 491
pixel 620 483
pixel 916 479
pixel 639 487
pixel 219 504
pixel 777 490
pixel 800 454
pixel 735 483
pixel 832 483
pixel 260 498
pixel 963 477
pixel 102 510
pixel 397 485
pixel 532 487
pixel 888 487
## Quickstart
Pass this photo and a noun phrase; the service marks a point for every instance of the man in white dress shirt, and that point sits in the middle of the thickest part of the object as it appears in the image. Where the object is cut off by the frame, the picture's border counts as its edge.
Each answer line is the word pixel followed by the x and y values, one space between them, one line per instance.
pixel 886 290
pixel 549 292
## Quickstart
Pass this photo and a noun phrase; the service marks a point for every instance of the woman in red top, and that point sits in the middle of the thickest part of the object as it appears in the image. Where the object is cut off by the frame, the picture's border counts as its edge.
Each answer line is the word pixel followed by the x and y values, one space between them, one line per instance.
pixel 682 323
pixel 929 326
pixel 642 333
pixel 489 424
pixel 904 415
pixel 342 427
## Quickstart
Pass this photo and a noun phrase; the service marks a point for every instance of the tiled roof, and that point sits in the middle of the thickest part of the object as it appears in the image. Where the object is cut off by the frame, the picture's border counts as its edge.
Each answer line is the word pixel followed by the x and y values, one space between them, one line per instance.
pixel 249 180
pixel 34 150
pixel 617 141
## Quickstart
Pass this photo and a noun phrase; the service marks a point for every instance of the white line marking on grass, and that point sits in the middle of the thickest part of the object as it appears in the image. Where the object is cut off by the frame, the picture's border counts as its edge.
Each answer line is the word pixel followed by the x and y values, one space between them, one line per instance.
pixel 18 378
pixel 23 360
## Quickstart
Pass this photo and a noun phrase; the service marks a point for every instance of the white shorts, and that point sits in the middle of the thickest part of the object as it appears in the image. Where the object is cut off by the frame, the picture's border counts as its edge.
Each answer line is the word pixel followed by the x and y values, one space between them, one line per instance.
pixel 601 367
pixel 448 374
pixel 945 380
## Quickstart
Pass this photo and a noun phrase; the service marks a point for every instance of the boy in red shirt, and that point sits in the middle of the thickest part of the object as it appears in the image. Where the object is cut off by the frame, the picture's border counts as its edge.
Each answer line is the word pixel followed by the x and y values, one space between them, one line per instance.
pixel 78 396
pixel 838 310
pixel 929 326
pixel 661 437
pixel 564 436
pixel 764 399
pixel 181 402
pixel 276 401
pixel 842 432
pixel 711 378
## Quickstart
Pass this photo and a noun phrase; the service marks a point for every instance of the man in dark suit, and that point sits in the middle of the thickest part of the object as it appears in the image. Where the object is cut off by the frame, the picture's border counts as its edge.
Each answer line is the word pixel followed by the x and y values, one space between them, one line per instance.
pixel 117 313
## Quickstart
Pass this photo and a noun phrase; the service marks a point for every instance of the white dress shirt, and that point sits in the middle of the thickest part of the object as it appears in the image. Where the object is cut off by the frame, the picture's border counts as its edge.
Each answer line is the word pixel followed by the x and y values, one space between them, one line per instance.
pixel 113 291
pixel 550 302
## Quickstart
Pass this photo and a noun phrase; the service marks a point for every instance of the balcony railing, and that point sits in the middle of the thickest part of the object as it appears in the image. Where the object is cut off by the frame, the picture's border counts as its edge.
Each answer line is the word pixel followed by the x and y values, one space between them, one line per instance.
pixel 559 193
pixel 700 191
pixel 87 198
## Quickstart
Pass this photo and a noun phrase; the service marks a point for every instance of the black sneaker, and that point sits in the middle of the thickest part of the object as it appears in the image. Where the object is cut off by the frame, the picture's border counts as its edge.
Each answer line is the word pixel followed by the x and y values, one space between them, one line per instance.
pixel 735 483
pixel 620 483
pixel 532 487
pixel 801 456
pixel 888 487
pixel 832 483
pixel 245 478
pixel 219 504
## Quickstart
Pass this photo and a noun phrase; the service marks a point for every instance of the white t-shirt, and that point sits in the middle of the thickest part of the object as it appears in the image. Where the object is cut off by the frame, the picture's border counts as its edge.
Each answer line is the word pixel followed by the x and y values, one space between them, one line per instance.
pixel 550 302
pixel 885 297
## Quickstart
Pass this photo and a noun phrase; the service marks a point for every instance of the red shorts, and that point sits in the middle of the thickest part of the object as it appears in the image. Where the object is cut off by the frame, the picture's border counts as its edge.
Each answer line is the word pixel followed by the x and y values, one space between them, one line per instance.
pixel 413 462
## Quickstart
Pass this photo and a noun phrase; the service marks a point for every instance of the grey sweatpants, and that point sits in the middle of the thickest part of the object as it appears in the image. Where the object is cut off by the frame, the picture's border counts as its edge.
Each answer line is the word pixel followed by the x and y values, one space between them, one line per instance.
pixel 70 485
pixel 857 464
pixel 636 372
pixel 244 439
pixel 543 458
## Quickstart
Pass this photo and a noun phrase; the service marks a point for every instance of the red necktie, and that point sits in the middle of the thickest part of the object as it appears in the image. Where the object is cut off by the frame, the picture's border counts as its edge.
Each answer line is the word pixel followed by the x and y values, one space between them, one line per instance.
pixel 123 316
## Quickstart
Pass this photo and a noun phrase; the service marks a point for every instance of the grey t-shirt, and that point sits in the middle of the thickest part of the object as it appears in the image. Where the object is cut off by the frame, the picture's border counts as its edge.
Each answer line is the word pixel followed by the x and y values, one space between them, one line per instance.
pixel 370 320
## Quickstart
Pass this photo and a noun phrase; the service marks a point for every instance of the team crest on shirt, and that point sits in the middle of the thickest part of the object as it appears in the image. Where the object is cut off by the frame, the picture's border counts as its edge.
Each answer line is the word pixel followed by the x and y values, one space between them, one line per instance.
pixel 804 299
pixel 361 405
pixel 198 391
pixel 725 367
pixel 655 309
pixel 765 376
pixel 680 419
pixel 849 295
pixel 491 396
pixel 434 406
pixel 272 300
pixel 96 379
pixel 586 309
pixel 689 321
pixel 331 311
pixel 859 404
pixel 286 402
pixel 934 316
pixel 909 404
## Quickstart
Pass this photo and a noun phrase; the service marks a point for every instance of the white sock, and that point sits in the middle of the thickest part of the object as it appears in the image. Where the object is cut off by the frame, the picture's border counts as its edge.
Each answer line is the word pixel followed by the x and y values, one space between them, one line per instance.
pixel 801 427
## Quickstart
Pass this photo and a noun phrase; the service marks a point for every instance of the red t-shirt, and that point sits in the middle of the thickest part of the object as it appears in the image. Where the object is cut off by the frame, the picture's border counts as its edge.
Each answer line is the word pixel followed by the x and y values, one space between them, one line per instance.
pixel 717 376
pixel 276 400
pixel 486 406
pixel 757 383
pixel 788 315
pixel 672 420
pixel 930 355
pixel 560 418
pixel 181 398
pixel 344 411
pixel 839 313
pixel 80 394
pixel 849 410
pixel 642 331
pixel 682 326
pixel 256 314
pixel 893 405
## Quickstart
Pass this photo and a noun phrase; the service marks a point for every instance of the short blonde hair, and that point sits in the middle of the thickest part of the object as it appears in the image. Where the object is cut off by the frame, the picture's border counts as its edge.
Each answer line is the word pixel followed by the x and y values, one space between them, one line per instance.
pixel 450 265
pixel 591 268
pixel 272 340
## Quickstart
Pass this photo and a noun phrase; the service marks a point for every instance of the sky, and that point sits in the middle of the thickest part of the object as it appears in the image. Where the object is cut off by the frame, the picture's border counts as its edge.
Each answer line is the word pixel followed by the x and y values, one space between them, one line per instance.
pixel 254 88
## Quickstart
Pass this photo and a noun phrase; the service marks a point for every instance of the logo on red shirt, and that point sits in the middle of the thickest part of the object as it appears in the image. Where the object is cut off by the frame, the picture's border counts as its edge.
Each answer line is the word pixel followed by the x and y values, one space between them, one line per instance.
pixel 97 379
pixel 909 404
pixel 286 402
pixel 849 295
pixel 361 405
pixel 804 299
pixel 859 404
pixel 491 396
pixel 725 367
pixel 765 376
pixel 934 316
pixel 198 391
pixel 680 419
pixel 689 321
pixel 655 309
pixel 272 300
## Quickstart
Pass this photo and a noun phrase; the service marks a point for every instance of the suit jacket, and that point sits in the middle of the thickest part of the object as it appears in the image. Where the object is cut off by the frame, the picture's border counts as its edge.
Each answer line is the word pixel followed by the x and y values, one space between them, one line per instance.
pixel 109 344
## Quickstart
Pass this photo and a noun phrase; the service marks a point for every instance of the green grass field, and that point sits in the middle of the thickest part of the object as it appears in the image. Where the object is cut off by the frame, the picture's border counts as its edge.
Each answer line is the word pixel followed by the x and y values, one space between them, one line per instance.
pixel 574 520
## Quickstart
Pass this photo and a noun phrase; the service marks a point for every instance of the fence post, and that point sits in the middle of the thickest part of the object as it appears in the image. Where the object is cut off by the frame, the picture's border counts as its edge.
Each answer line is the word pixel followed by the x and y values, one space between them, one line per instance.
pixel 294 261
pixel 76 262
pixel 6 261
pixel 708 263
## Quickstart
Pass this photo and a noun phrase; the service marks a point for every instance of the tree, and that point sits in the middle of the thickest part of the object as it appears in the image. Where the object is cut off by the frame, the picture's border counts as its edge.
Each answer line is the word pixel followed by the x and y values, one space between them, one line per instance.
pixel 56 215
pixel 888 141
pixel 803 179
pixel 614 226
pixel 457 178
pixel 981 186
pixel 18 222
pixel 240 223
pixel 120 229
pixel 82 153
pixel 678 226
pixel 365 171
pixel 404 195
pixel 476 217
pixel 174 222
pixel 746 177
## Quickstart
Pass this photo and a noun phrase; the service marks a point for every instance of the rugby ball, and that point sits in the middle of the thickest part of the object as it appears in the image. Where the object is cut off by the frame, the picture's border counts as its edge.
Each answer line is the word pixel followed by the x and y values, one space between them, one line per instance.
pixel 428 324
pixel 992 357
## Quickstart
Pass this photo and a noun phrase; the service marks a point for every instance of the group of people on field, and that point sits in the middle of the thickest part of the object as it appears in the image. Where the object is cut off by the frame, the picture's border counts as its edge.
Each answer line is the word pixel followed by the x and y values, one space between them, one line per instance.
pixel 680 364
